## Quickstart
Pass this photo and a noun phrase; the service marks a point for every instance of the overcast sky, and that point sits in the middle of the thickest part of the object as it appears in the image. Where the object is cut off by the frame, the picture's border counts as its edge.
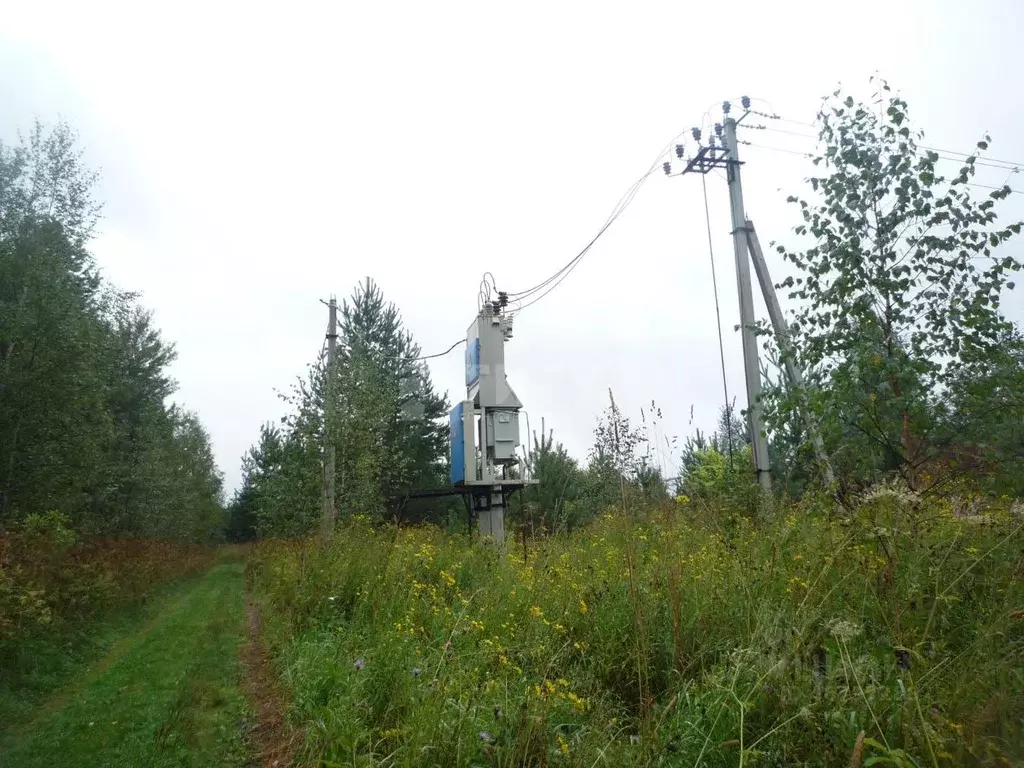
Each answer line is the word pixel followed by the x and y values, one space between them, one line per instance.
pixel 255 161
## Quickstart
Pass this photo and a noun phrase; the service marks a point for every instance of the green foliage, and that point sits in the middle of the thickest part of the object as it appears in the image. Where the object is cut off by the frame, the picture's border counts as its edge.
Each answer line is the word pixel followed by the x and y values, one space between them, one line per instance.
pixel 53 584
pixel 551 504
pixel 719 470
pixel 378 409
pixel 984 409
pixel 658 640
pixel 621 474
pixel 388 394
pixel 86 429
pixel 899 288
pixel 722 480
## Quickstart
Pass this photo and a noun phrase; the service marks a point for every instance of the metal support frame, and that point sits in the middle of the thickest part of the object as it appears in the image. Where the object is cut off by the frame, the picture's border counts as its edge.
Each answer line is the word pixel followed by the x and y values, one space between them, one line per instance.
pixel 478 499
pixel 707 159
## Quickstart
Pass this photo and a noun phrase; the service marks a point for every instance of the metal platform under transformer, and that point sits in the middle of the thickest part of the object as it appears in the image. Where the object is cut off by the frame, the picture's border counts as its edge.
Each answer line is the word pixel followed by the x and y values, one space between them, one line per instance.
pixel 478 497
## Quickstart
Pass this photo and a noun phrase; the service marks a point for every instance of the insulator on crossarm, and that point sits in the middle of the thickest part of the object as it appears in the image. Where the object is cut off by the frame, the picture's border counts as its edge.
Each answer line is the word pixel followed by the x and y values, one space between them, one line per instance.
pixel 718 129
pixel 667 167
pixel 711 141
pixel 679 151
pixel 745 101
pixel 696 134
pixel 726 106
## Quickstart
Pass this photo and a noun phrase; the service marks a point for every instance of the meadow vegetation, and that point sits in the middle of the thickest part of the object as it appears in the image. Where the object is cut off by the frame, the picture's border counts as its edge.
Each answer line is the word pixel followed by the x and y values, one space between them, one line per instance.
pixel 664 640
pixel 58 593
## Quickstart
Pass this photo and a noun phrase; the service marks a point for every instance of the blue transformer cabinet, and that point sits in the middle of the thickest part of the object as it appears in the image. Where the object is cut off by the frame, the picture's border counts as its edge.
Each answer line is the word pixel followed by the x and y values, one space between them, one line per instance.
pixel 463 450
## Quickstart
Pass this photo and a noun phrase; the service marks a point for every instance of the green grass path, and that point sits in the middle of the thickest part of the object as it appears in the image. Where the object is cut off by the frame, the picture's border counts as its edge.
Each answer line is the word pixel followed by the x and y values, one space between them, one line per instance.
pixel 165 695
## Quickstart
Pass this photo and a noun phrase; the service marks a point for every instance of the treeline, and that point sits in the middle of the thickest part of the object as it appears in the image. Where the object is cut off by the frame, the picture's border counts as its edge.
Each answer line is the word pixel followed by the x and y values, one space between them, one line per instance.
pixel 89 438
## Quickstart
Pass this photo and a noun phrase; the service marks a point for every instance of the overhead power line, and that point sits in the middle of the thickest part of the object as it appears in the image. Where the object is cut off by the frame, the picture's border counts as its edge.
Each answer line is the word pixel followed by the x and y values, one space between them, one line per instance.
pixel 718 316
pixel 534 294
pixel 438 354
pixel 555 279
pixel 404 359
pixel 1012 170
pixel 775 149
pixel 992 162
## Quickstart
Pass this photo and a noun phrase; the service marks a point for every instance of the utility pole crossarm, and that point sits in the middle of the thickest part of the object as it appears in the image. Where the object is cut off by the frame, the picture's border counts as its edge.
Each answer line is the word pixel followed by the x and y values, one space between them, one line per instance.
pixel 781 329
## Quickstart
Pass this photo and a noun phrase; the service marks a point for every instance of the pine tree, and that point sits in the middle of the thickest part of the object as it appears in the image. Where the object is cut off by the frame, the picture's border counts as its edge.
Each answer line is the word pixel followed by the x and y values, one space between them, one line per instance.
pixel 392 429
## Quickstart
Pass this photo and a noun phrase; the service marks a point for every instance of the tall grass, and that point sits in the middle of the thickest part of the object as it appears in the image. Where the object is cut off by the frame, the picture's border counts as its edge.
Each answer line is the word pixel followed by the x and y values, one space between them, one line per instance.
pixel 896 634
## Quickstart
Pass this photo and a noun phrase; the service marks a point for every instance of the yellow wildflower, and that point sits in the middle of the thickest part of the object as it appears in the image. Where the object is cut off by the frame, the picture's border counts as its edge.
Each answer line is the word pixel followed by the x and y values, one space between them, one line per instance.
pixel 562 745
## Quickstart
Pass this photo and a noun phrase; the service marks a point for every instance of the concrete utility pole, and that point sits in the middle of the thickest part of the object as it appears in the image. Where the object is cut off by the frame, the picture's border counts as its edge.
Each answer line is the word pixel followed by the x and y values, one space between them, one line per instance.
pixel 332 344
pixel 751 368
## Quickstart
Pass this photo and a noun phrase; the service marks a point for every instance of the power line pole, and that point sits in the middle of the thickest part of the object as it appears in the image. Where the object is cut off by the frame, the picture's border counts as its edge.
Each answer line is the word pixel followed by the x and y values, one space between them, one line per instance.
pixel 332 343
pixel 747 248
pixel 751 367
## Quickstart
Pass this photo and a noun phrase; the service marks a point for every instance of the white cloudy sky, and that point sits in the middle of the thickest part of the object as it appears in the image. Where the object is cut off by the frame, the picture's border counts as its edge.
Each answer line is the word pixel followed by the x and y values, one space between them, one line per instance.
pixel 258 157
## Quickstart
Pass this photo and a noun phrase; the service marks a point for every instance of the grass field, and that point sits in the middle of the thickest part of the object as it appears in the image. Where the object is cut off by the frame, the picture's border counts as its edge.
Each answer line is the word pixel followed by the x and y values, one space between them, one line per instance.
pixel 166 693
pixel 893 637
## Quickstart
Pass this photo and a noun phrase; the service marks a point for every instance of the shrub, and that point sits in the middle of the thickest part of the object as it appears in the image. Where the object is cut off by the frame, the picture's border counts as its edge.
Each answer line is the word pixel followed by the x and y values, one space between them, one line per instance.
pixel 51 582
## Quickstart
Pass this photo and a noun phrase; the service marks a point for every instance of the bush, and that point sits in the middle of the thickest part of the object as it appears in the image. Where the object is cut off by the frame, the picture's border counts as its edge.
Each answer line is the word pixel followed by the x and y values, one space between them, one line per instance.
pixel 51 582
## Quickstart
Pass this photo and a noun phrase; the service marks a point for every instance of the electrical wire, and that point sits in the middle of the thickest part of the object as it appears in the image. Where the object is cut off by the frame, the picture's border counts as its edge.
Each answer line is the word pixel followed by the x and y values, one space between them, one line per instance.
pixel 1012 170
pixel 431 357
pixel 423 357
pixel 788 133
pixel 986 162
pixel 991 162
pixel 556 279
pixel 718 315
pixel 774 149
pixel 448 351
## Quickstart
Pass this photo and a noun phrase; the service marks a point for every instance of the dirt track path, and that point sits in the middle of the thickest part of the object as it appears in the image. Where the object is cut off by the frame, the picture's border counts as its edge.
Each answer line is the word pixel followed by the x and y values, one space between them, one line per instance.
pixel 169 694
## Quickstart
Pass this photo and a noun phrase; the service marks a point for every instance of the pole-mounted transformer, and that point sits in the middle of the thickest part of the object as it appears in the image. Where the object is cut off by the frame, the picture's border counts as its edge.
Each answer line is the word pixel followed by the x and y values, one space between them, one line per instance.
pixel 485 426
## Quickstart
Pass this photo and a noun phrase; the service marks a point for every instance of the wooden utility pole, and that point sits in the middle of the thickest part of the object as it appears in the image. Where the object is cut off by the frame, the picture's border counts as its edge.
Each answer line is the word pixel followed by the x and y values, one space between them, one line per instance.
pixel 327 527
